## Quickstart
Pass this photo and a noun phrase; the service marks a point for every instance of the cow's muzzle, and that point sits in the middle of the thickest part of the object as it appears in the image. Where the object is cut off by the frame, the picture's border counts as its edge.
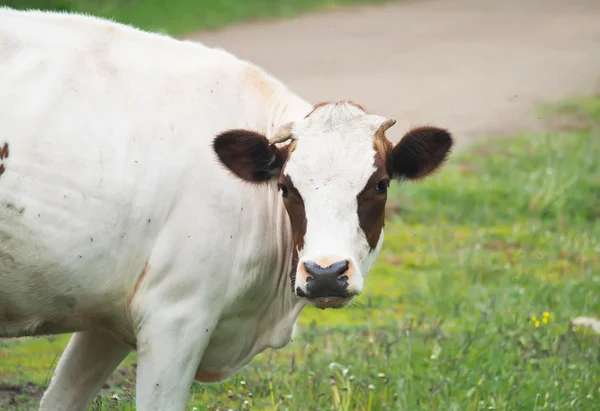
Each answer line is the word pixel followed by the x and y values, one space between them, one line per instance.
pixel 326 287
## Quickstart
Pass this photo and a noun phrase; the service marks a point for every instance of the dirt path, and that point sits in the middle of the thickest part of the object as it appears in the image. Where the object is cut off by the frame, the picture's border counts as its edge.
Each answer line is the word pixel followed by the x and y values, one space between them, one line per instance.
pixel 476 67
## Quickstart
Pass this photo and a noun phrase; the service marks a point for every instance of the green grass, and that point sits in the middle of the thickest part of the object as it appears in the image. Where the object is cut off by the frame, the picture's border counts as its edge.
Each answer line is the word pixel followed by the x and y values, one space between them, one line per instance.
pixel 507 231
pixel 178 17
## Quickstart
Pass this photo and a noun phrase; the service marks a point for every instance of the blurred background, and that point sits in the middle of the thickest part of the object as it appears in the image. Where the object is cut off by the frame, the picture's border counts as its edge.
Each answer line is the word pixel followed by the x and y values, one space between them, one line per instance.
pixel 487 290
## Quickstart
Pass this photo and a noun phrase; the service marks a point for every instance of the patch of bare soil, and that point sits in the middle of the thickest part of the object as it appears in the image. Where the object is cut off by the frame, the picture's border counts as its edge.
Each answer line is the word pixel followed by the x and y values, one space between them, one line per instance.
pixel 21 397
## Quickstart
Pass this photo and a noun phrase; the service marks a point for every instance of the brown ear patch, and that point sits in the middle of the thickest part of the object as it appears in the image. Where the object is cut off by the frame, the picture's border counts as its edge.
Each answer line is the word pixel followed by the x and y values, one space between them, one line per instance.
pixel 420 152
pixel 249 155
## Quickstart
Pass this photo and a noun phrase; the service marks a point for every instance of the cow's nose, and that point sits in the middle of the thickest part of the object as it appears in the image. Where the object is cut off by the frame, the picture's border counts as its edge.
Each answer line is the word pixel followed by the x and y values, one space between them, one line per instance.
pixel 326 281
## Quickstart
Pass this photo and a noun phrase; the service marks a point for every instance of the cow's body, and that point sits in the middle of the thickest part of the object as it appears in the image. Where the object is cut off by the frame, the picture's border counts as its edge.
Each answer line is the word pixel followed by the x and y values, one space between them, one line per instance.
pixel 118 222
pixel 110 175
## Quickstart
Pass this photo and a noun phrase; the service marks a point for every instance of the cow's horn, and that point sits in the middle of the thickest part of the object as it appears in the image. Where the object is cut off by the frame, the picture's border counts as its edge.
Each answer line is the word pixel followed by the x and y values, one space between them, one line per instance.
pixel 388 123
pixel 282 134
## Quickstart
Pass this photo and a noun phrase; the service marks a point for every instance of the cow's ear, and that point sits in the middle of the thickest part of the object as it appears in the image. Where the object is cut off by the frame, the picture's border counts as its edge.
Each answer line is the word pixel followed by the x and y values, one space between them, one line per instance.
pixel 419 153
pixel 249 155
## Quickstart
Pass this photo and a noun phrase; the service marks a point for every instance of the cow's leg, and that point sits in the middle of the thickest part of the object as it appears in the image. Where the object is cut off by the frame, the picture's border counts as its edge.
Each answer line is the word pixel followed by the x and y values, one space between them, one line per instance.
pixel 169 352
pixel 88 360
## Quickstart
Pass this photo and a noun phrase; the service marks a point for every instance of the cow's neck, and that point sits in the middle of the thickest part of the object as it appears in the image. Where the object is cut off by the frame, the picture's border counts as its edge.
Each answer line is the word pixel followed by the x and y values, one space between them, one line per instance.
pixel 278 317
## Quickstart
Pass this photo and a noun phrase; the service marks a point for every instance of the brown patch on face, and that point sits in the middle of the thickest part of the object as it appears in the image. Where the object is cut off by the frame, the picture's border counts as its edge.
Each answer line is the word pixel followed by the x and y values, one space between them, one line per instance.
pixel 137 283
pixel 294 204
pixel 371 200
pixel 383 147
pixel 294 268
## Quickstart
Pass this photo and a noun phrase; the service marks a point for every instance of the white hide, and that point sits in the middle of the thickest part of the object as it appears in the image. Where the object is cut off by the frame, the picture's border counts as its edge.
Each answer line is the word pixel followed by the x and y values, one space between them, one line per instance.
pixel 117 221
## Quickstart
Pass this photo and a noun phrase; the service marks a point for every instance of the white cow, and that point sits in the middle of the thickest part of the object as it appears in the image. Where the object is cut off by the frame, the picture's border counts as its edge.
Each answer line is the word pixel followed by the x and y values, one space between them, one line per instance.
pixel 167 197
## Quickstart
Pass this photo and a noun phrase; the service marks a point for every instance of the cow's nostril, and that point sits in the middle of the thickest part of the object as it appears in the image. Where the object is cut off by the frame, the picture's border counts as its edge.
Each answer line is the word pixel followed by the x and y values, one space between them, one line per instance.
pixel 343 280
pixel 309 279
pixel 341 267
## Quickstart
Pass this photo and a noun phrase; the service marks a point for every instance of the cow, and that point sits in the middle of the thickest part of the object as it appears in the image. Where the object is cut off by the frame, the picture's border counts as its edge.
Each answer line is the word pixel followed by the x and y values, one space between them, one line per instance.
pixel 163 196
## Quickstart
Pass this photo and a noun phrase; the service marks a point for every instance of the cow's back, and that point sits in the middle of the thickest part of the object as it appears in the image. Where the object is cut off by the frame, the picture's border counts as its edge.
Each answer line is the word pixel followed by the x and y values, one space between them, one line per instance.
pixel 103 128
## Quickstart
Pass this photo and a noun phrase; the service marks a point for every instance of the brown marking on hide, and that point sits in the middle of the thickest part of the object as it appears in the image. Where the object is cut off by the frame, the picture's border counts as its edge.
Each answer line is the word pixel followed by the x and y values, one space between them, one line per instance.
pixel 294 205
pixel 137 284
pixel 371 204
pixel 257 81
pixel 4 151
pixel 294 268
pixel 209 376
pixel 295 211
pixel 383 147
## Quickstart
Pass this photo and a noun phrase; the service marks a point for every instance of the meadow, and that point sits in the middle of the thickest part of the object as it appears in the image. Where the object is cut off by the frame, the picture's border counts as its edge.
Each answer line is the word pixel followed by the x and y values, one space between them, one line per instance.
pixel 469 307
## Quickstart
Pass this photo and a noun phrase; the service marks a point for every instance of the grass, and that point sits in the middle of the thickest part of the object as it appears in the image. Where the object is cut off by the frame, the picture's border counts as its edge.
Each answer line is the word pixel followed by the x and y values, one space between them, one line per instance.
pixel 178 17
pixel 468 308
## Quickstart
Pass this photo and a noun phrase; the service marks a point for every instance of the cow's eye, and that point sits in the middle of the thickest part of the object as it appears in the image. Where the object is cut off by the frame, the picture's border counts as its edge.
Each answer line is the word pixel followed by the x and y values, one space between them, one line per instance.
pixel 382 186
pixel 284 190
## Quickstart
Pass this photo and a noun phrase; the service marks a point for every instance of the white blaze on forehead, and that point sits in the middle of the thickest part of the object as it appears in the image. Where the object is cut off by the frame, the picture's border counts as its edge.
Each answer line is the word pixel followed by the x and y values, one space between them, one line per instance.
pixel 334 147
pixel 330 165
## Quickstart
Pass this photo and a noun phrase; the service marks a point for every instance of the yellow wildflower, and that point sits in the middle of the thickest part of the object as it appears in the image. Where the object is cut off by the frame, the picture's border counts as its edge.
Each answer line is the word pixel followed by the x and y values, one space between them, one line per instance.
pixel 545 317
pixel 537 324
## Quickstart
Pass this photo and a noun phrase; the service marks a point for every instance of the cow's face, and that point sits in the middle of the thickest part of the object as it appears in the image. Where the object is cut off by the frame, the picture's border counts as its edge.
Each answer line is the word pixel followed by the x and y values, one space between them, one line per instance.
pixel 333 169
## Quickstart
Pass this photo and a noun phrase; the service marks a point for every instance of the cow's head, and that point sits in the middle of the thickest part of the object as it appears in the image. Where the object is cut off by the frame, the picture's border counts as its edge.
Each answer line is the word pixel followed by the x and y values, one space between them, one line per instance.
pixel 333 169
